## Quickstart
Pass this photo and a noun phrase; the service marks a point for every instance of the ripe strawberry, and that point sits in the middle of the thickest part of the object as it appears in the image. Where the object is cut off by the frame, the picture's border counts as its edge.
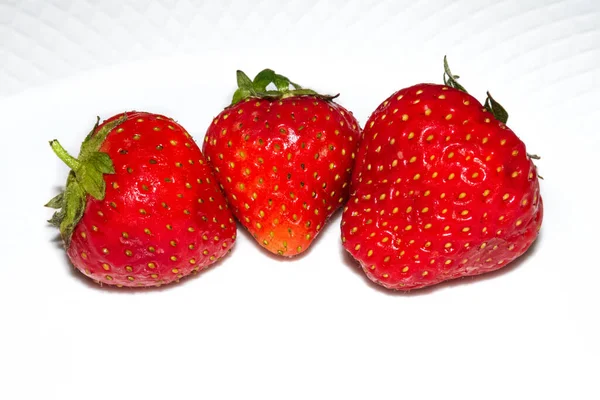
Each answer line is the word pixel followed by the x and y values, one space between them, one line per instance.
pixel 442 189
pixel 284 159
pixel 141 206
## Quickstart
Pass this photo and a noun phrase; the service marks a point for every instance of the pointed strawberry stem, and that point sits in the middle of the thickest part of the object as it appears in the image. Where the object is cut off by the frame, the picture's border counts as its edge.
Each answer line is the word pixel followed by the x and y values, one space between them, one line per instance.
pixel 68 159
pixel 85 178
pixel 258 87
pixel 450 79
pixel 495 108
pixel 490 104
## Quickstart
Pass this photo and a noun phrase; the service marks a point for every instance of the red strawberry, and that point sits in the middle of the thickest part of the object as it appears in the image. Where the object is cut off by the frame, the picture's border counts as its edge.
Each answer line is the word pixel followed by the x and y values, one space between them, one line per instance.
pixel 284 159
pixel 442 189
pixel 141 206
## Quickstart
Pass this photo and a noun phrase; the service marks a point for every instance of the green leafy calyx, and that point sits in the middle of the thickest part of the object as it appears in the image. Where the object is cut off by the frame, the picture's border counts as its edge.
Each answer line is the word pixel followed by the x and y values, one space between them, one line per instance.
pixel 495 108
pixel 258 88
pixel 450 79
pixel 85 178
pixel 490 104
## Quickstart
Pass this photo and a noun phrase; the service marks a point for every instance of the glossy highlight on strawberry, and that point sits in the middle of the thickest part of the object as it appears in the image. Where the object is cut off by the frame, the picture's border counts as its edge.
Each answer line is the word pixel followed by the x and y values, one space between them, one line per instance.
pixel 284 160
pixel 150 212
pixel 441 189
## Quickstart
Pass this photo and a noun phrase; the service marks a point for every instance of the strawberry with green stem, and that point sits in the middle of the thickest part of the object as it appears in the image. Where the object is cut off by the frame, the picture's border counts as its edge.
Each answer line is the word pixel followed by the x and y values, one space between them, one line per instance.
pixel 442 189
pixel 141 206
pixel 284 158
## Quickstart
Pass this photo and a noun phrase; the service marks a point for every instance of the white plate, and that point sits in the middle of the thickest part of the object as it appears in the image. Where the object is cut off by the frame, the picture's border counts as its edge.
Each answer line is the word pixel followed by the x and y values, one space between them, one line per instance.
pixel 256 326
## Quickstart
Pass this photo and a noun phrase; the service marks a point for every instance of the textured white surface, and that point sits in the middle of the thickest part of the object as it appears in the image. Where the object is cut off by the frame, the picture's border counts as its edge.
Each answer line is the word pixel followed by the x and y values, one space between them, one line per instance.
pixel 256 327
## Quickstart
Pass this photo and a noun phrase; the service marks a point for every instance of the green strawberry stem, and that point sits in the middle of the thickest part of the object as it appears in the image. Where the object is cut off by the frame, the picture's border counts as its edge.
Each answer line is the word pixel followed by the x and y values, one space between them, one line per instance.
pixel 490 104
pixel 450 79
pixel 68 159
pixel 257 88
pixel 495 108
pixel 85 178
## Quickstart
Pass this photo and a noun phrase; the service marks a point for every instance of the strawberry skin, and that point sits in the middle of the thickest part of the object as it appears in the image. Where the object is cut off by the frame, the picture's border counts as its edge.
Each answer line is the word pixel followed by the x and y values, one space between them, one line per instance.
pixel 162 216
pixel 284 164
pixel 441 189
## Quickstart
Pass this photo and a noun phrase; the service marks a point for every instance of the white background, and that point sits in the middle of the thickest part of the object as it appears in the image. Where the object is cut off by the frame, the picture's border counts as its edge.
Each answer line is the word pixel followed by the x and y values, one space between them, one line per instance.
pixel 312 328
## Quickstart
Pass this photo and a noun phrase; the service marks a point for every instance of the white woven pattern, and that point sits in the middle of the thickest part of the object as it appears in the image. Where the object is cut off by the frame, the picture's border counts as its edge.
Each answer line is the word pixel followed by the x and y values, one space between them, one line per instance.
pixel 41 41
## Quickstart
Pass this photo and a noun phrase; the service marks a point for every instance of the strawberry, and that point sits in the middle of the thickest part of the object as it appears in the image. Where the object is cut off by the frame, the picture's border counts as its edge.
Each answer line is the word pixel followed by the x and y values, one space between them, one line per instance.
pixel 141 206
pixel 442 189
pixel 284 159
